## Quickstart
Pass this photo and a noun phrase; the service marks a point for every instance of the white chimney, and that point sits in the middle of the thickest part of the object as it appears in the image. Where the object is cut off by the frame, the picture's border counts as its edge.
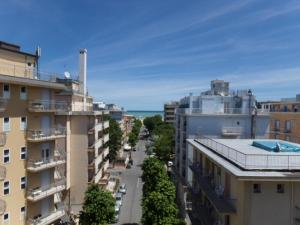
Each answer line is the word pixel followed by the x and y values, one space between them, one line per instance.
pixel 82 74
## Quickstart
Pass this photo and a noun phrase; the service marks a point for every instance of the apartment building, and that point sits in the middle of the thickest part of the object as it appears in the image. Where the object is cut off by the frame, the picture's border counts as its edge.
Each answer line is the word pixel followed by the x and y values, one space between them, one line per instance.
pixel 243 182
pixel 284 118
pixel 169 111
pixel 49 134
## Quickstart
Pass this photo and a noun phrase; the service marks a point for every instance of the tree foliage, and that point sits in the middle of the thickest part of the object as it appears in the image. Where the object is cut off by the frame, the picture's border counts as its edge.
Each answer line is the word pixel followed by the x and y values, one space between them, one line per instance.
pixel 115 139
pixel 98 207
pixel 152 122
pixel 134 134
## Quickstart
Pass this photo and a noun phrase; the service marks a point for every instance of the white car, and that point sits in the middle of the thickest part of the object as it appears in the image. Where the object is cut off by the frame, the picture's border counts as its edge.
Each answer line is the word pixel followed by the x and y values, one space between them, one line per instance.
pixel 170 163
pixel 122 189
pixel 119 198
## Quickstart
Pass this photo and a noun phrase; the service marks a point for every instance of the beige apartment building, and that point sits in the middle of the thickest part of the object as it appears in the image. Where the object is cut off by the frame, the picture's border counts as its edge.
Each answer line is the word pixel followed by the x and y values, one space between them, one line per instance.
pixel 243 182
pixel 169 112
pixel 52 142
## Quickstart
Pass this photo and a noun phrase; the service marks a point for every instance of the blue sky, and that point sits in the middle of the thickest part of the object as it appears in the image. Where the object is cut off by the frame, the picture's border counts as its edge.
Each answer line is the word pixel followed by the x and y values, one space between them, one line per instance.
pixel 143 53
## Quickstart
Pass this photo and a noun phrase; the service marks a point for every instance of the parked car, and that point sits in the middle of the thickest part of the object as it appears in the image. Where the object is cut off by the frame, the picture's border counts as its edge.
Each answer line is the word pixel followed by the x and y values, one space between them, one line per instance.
pixel 119 198
pixel 117 212
pixel 122 188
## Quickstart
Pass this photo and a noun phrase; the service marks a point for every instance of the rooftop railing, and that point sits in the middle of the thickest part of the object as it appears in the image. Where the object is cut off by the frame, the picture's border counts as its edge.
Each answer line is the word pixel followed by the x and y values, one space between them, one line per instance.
pixel 28 72
pixel 48 106
pixel 276 161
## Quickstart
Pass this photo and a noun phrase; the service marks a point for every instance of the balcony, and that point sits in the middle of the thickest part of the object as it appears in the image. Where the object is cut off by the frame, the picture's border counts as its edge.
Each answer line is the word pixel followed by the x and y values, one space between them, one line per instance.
pixel 48 106
pixel 106 138
pixel 105 152
pixel 231 131
pixel 214 193
pixel 3 104
pixel 95 144
pixel 2 138
pixel 48 218
pixel 38 193
pixel 2 172
pixel 104 180
pixel 45 134
pixel 39 165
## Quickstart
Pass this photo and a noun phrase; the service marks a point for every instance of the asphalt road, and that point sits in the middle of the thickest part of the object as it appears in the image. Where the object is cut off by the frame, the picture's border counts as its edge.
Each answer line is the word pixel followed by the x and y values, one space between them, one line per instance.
pixel 131 210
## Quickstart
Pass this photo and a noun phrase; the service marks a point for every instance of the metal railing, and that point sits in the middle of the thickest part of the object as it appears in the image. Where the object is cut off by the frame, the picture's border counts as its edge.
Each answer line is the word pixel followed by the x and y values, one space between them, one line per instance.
pixel 280 161
pixel 58 156
pixel 46 190
pixel 48 218
pixel 45 133
pixel 29 72
pixel 232 130
pixel 214 111
pixel 48 105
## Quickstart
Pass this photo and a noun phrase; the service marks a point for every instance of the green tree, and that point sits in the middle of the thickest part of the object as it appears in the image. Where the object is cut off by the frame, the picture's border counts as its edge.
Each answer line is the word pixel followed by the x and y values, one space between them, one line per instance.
pixel 152 122
pixel 153 172
pixel 98 207
pixel 115 139
pixel 167 188
pixel 163 147
pixel 157 210
pixel 132 139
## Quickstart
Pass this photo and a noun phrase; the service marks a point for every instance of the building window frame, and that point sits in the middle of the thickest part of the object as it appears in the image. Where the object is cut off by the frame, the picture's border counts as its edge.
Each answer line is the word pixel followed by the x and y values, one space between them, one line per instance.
pixel 23 183
pixel 23 93
pixel 256 188
pixel 6 91
pixel 23 153
pixel 276 125
pixel 6 217
pixel 22 213
pixel 280 188
pixel 6 187
pixel 23 123
pixel 6 156
pixel 6 124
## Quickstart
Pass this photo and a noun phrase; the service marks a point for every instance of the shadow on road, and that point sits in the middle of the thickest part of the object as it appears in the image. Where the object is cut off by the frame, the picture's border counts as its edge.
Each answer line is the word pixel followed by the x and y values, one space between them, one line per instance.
pixel 130 224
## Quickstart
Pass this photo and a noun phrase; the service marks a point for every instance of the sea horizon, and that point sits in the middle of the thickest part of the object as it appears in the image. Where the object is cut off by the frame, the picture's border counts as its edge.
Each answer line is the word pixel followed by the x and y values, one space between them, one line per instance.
pixel 141 114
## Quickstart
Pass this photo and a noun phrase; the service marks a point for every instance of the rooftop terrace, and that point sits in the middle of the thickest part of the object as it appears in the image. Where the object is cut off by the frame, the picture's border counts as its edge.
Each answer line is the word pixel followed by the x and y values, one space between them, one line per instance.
pixel 243 154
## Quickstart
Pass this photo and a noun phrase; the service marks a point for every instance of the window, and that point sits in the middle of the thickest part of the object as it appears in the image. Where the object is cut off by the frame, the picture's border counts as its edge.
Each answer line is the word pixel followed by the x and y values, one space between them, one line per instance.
pixel 6 156
pixel 23 153
pixel 277 125
pixel 256 188
pixel 280 188
pixel 6 217
pixel 23 124
pixel 6 124
pixel 23 182
pixel 6 187
pixel 23 93
pixel 6 91
pixel 22 212
pixel 288 126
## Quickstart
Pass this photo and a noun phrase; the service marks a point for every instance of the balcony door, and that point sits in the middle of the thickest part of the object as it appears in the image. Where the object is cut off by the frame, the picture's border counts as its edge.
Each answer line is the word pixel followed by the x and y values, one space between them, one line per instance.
pixel 45 152
pixel 45 206
pixel 46 94
pixel 45 124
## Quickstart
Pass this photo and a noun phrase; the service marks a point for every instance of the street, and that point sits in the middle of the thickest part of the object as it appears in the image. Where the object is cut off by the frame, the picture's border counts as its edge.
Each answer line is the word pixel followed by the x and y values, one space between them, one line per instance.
pixel 131 211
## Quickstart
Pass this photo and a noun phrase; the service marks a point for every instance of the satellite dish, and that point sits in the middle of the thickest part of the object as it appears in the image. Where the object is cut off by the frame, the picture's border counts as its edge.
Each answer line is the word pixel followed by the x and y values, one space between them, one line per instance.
pixel 67 75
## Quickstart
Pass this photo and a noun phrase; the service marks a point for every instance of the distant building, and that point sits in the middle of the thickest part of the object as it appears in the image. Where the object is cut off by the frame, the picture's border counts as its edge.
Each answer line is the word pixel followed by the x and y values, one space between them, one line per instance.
pixel 169 111
pixel 217 112
pixel 284 118
pixel 243 182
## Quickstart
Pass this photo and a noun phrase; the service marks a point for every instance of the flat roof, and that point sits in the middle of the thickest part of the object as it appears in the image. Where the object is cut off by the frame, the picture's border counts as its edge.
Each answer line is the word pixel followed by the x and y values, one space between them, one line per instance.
pixel 247 162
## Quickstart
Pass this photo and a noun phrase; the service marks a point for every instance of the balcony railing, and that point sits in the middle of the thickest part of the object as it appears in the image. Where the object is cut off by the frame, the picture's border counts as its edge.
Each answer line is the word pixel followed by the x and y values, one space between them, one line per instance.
pixel 38 165
pixel 48 106
pixel 2 138
pixel 2 172
pixel 48 218
pixel 38 193
pixel 3 104
pixel 215 193
pixel 106 138
pixel 278 161
pixel 45 134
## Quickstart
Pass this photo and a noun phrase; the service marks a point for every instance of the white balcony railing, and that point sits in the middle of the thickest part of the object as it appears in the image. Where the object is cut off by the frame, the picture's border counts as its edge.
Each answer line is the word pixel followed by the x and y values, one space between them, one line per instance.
pixel 45 134
pixel 38 165
pixel 48 218
pixel 106 124
pixel 48 106
pixel 215 111
pixel 106 138
pixel 38 193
